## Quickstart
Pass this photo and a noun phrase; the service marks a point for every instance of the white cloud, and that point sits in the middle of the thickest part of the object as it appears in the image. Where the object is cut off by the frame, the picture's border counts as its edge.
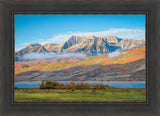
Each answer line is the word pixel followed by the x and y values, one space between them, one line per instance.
pixel 17 49
pixel 138 34
pixel 114 54
pixel 51 55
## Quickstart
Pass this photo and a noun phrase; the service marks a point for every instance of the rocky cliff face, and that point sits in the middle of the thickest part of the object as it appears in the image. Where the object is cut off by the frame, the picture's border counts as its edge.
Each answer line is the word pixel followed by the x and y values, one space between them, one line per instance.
pixel 127 44
pixel 91 45
pixel 37 48
pixel 32 48
pixel 88 44
pixel 53 47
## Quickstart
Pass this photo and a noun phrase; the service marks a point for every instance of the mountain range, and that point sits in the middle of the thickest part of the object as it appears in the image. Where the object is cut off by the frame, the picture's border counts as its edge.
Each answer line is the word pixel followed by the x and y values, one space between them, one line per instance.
pixel 89 45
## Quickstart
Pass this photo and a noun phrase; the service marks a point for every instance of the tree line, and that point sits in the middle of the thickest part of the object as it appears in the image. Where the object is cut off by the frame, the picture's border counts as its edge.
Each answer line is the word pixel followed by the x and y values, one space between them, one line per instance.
pixel 72 86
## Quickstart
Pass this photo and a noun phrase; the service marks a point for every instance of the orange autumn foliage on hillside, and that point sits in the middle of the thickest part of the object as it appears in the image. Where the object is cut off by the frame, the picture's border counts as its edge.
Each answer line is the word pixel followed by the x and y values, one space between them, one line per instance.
pixel 62 63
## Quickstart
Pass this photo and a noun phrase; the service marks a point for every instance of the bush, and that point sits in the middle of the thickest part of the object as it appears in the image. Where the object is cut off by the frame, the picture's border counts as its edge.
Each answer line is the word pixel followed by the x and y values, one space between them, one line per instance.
pixel 72 86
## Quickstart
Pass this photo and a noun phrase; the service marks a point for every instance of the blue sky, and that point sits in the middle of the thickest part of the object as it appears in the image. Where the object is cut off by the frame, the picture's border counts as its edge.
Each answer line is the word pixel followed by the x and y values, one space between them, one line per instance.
pixel 58 28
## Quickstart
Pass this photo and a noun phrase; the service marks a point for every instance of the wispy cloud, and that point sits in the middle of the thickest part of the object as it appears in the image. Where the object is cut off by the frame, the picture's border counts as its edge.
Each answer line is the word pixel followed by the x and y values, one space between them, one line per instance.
pixel 138 34
pixel 114 54
pixel 17 48
pixel 51 55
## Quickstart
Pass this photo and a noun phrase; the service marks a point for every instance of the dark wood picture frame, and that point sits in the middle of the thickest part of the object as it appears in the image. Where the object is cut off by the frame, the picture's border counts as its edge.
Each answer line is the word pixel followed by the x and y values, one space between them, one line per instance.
pixel 148 7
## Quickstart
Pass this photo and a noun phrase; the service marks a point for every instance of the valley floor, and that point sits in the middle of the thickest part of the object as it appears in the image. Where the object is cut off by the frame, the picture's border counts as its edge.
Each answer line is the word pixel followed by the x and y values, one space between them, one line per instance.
pixel 54 95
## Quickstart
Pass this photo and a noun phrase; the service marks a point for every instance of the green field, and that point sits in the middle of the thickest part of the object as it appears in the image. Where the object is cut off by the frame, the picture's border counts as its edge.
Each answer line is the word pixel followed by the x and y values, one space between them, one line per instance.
pixel 56 95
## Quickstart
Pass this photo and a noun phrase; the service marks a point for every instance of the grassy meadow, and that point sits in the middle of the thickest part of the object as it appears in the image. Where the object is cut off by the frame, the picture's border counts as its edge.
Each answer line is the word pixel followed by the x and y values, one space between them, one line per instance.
pixel 59 95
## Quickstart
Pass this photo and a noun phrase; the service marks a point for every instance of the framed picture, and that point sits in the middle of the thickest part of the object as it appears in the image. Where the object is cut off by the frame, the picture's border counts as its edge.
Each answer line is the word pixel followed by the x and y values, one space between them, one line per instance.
pixel 90 58
pixel 79 57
